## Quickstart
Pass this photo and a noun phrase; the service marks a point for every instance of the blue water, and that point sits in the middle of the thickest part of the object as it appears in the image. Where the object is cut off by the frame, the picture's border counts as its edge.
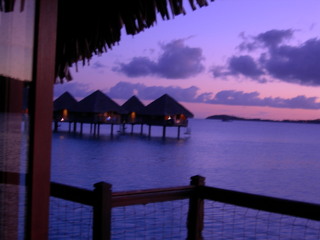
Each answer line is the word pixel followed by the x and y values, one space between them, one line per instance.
pixel 274 159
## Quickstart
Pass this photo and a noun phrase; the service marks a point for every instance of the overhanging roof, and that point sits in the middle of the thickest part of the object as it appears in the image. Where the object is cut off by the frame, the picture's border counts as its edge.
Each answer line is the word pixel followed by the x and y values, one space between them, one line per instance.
pixel 65 101
pixel 166 105
pixel 97 102
pixel 133 104
pixel 87 28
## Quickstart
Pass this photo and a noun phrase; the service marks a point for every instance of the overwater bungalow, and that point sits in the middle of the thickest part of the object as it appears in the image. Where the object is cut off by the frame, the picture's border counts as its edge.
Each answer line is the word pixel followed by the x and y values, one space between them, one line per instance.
pixel 96 109
pixel 61 108
pixel 167 112
pixel 135 109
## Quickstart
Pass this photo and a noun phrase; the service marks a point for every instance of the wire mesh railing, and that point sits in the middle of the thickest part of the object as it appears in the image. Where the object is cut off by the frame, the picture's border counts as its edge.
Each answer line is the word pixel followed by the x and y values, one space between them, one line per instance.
pixel 190 212
pixel 69 220
pixel 226 221
pixel 163 220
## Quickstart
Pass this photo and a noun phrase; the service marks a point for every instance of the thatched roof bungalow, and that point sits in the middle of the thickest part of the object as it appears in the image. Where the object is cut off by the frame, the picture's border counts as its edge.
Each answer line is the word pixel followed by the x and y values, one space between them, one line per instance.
pixel 166 111
pixel 62 106
pixel 135 110
pixel 97 108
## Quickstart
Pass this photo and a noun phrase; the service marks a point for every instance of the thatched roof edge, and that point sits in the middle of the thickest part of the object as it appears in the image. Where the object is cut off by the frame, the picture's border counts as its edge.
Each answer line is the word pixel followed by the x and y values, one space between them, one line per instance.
pixel 87 29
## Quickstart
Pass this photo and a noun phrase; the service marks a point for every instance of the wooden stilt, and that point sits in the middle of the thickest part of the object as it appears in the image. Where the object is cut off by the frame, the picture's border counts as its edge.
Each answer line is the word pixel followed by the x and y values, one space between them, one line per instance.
pixel 179 132
pixel 164 132
pixel 55 126
pixel 111 129
pixel 149 134
pixel 141 129
pixel 74 127
pixel 70 126
pixel 81 128
pixel 94 129
pixel 132 125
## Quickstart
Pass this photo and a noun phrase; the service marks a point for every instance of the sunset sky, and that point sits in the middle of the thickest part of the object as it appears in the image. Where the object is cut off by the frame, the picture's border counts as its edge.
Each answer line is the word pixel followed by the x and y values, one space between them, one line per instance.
pixel 247 58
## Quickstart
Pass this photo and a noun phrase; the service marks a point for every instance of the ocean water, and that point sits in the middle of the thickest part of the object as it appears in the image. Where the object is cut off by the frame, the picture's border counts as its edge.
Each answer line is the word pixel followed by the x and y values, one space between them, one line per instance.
pixel 267 158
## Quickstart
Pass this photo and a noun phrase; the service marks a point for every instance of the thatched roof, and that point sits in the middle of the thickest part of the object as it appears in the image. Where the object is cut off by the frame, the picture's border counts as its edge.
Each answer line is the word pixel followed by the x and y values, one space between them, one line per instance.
pixel 97 102
pixel 87 28
pixel 133 104
pixel 166 105
pixel 64 101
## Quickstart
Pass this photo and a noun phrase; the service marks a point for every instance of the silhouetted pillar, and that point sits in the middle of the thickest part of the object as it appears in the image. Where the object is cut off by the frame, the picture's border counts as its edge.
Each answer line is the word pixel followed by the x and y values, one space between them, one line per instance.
pixel 74 127
pixel 196 210
pixel 94 129
pixel 164 132
pixel 111 129
pixel 102 209
pixel 81 128
pixel 149 134
pixel 55 126
pixel 179 132
pixel 141 129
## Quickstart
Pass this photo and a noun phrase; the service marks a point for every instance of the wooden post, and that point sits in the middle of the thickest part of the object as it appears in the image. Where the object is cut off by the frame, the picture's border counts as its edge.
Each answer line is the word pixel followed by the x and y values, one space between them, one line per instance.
pixel 179 132
pixel 70 126
pixel 81 128
pixel 131 128
pixel 196 211
pixel 41 107
pixel 102 211
pixel 141 129
pixel 149 134
pixel 74 127
pixel 111 129
pixel 164 132
pixel 123 128
pixel 98 130
pixel 56 126
pixel 94 129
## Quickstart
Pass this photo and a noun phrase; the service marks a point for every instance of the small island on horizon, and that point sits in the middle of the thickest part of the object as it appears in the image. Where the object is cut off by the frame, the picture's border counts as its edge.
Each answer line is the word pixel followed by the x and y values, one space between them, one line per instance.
pixel 228 118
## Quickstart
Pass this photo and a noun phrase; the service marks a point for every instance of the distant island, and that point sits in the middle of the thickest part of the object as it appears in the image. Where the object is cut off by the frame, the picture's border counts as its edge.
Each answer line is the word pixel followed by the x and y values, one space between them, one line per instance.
pixel 227 118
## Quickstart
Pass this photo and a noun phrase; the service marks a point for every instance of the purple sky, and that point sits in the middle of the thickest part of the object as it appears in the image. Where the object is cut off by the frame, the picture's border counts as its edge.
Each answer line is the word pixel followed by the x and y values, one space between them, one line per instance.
pixel 245 58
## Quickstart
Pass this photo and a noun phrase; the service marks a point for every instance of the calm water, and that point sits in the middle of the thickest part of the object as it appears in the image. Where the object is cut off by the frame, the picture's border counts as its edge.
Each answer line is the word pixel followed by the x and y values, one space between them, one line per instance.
pixel 274 159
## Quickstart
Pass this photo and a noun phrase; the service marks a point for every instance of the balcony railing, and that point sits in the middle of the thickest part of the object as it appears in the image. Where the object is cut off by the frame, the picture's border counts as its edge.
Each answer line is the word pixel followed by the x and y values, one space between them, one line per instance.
pixel 206 212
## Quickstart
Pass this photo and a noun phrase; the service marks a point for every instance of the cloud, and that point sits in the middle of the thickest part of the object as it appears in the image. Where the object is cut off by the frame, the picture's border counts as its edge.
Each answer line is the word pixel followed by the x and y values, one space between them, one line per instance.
pixel 78 90
pixel 98 65
pixel 240 65
pixel 274 38
pixel 240 98
pixel 125 90
pixel 137 67
pixel 244 65
pixel 268 39
pixel 176 61
pixel 298 64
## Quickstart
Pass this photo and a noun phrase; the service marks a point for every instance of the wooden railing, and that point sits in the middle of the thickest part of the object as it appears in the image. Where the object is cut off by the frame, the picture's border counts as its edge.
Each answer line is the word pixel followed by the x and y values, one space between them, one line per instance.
pixel 103 200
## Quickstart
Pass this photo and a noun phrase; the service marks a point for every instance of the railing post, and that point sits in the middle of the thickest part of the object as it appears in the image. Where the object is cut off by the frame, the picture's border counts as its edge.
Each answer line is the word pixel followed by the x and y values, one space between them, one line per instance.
pixel 102 211
pixel 196 211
